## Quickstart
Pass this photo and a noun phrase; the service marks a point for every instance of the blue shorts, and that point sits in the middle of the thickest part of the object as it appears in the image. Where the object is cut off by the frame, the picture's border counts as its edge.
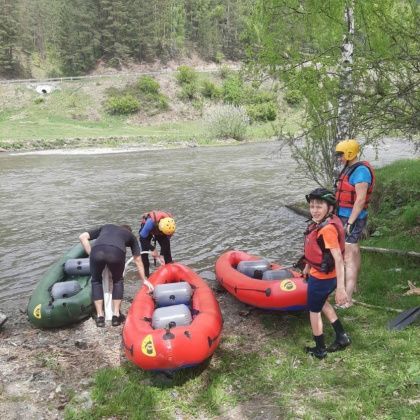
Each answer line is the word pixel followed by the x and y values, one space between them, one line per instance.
pixel 357 229
pixel 318 292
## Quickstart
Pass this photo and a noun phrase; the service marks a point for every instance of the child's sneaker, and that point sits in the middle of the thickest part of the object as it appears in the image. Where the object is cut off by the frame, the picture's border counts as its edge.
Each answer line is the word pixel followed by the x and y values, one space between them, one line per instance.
pixel 341 342
pixel 319 353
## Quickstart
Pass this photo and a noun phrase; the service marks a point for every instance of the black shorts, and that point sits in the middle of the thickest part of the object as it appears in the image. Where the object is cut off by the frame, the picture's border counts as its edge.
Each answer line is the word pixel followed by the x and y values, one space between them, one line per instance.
pixel 357 229
pixel 318 292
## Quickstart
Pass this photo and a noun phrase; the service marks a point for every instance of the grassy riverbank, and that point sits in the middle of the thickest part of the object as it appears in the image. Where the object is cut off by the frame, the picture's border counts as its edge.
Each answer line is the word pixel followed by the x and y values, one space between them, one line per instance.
pixel 260 369
pixel 74 114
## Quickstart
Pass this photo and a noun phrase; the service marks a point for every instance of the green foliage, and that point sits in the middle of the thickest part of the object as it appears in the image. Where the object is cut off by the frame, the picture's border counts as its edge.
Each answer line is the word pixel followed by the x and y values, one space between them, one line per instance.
pixel 122 105
pixel 233 90
pixel 227 121
pixel 219 57
pixel 9 28
pixel 148 84
pixel 262 112
pixel 374 91
pixel 293 97
pixel 77 38
pixel 395 204
pixel 189 91
pixel 224 71
pixel 146 92
pixel 210 90
pixel 186 75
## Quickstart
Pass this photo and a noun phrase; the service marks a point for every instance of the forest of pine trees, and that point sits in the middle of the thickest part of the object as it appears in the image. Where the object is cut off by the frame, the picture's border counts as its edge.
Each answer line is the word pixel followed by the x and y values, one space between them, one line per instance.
pixel 68 37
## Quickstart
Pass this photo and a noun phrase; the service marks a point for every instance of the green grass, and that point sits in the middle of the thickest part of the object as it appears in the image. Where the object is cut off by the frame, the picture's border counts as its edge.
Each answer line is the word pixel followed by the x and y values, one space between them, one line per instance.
pixel 395 214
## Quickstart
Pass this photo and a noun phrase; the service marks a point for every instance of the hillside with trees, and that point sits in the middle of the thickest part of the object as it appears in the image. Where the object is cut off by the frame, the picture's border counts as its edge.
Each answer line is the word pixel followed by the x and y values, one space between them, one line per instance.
pixel 52 38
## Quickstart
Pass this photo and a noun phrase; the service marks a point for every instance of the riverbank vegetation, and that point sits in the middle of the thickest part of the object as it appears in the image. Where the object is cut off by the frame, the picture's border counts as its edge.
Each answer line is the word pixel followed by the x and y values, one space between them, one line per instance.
pixel 260 368
pixel 140 111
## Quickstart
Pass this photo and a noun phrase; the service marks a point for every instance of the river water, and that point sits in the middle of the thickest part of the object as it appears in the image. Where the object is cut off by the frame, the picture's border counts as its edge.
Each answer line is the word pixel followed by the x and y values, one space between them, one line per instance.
pixel 222 197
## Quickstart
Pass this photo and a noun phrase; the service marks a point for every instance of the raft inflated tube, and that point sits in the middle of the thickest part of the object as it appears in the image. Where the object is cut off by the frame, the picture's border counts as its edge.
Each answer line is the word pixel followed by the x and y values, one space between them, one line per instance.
pixel 172 294
pixel 65 289
pixel 254 269
pixel 171 316
pixel 77 267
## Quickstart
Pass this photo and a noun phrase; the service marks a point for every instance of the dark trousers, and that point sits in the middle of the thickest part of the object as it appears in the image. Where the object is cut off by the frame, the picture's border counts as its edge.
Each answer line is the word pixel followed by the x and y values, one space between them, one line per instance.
pixel 165 250
pixel 114 258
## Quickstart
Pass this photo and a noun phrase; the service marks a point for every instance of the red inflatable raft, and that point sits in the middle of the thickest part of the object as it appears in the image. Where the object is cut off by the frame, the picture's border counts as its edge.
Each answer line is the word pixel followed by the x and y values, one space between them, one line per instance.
pixel 179 346
pixel 286 294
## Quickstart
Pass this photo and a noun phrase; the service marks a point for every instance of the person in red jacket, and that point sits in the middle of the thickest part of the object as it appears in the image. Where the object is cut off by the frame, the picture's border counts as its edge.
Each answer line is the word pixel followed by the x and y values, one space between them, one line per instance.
pixel 159 226
pixel 324 248
pixel 353 191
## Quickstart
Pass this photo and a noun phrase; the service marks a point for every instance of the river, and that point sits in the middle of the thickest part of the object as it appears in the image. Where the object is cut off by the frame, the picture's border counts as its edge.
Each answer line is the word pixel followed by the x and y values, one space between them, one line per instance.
pixel 222 197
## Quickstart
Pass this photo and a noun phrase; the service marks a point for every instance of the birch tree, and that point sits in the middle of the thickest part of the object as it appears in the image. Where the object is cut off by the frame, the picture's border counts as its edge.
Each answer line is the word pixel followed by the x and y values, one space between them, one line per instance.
pixel 338 56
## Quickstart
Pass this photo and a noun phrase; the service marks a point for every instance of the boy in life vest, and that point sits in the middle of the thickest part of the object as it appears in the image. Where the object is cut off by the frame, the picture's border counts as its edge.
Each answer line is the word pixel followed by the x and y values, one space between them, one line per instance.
pixel 158 226
pixel 353 191
pixel 324 248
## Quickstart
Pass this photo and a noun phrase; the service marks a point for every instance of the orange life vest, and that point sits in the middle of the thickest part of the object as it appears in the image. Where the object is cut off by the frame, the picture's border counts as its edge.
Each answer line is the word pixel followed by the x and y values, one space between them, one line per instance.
pixel 316 255
pixel 156 216
pixel 345 192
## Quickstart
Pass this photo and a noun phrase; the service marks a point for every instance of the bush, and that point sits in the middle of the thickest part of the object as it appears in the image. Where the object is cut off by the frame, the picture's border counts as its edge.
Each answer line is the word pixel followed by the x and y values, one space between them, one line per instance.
pixel 210 90
pixel 148 84
pixel 227 121
pixel 224 71
pixel 186 75
pixel 260 97
pixel 39 100
pixel 188 92
pixel 262 111
pixel 293 97
pixel 219 57
pixel 122 105
pixel 233 90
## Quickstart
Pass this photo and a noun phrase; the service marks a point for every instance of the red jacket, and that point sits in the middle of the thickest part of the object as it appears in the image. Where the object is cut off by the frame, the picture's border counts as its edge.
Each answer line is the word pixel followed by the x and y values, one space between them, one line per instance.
pixel 315 252
pixel 345 192
pixel 156 216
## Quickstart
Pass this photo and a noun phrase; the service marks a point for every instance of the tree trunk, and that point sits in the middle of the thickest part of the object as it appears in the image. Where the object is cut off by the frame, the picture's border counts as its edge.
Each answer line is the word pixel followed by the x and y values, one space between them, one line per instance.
pixel 344 112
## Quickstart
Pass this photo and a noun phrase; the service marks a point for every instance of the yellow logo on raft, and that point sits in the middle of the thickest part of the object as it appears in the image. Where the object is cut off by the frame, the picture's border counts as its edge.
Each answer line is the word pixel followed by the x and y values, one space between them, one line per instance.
pixel 287 285
pixel 147 346
pixel 37 311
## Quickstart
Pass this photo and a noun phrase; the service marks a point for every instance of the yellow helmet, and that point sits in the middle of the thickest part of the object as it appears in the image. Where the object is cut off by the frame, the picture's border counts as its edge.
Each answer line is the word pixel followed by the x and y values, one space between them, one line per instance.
pixel 350 148
pixel 167 226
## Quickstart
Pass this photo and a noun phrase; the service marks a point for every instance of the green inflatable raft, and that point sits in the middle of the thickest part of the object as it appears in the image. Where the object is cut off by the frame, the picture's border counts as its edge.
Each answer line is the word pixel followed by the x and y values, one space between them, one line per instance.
pixel 63 296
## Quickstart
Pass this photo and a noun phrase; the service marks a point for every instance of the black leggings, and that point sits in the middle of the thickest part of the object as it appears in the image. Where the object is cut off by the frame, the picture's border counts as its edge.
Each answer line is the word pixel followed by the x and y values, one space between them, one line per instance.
pixel 165 250
pixel 114 258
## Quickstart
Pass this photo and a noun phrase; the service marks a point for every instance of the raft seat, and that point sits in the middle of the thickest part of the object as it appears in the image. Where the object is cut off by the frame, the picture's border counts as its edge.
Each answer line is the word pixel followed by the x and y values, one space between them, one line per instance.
pixel 77 267
pixel 254 269
pixel 65 289
pixel 172 294
pixel 171 316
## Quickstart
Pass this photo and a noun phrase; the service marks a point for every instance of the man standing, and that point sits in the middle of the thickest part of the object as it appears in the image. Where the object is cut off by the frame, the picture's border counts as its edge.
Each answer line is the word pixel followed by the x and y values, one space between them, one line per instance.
pixel 353 191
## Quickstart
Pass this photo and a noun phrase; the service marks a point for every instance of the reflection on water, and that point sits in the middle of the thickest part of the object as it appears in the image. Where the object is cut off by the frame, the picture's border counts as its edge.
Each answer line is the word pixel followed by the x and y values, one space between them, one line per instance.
pixel 223 198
